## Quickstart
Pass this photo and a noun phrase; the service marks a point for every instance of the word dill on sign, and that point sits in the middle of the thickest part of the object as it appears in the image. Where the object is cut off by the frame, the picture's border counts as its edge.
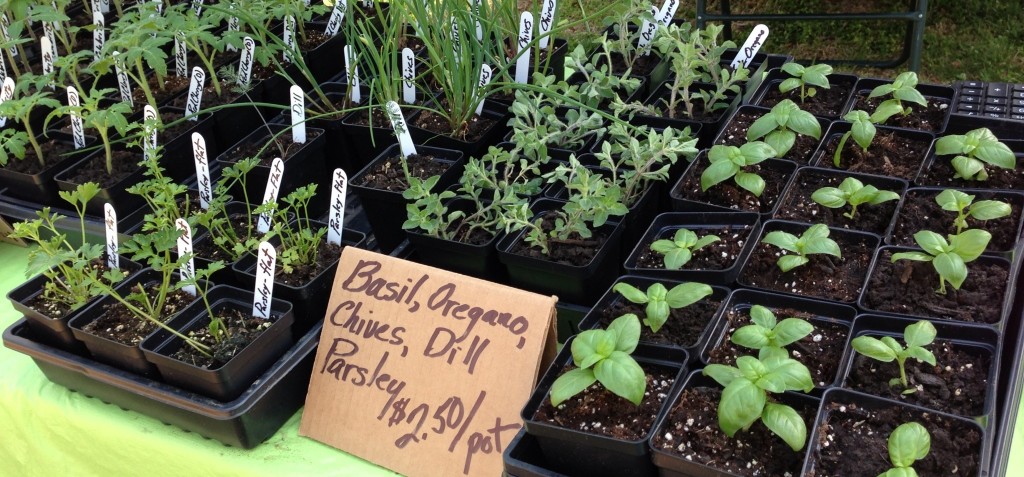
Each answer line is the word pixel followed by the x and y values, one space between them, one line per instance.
pixel 188 267
pixel 298 109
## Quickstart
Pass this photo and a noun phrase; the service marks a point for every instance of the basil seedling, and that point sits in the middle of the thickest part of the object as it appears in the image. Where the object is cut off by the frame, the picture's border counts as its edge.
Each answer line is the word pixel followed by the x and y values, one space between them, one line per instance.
pixel 604 356
pixel 973 150
pixel 964 206
pixel 916 336
pixel 780 126
pixel 908 443
pixel 729 161
pixel 766 331
pixel 854 192
pixel 903 88
pixel 679 250
pixel 814 240
pixel 661 301
pixel 802 76
pixel 862 130
pixel 950 258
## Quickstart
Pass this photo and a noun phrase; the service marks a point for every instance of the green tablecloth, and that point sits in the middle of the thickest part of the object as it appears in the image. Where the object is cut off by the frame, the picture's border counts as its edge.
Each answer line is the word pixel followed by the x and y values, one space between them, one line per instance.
pixel 47 430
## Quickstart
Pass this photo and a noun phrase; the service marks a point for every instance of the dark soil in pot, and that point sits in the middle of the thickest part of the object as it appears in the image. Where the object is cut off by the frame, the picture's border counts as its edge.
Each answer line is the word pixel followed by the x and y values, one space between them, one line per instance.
pixel 798 205
pixel 118 324
pixel 684 325
pixel 727 193
pixel 853 440
pixel 940 173
pixel 362 118
pixel 388 175
pixel 930 118
pixel 735 134
pixel 210 97
pixel 957 385
pixel 908 287
pixel 124 164
pixel 476 127
pixel 691 431
pixel 172 86
pixel 718 255
pixel 643 65
pixel 575 250
pixel 58 310
pixel 598 411
pixel 919 211
pixel 327 255
pixel 242 328
pixel 54 152
pixel 826 102
pixel 285 148
pixel 889 155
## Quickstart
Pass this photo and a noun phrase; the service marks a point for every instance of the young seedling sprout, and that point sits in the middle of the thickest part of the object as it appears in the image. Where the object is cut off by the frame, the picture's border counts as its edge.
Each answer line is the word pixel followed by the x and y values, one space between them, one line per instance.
pixel 661 301
pixel 964 206
pixel 973 150
pixel 780 126
pixel 813 241
pixel 854 192
pixel 886 349
pixel 903 88
pixel 729 161
pixel 766 331
pixel 747 386
pixel 949 258
pixel 604 356
pixel 862 130
pixel 679 249
pixel 802 76
pixel 908 443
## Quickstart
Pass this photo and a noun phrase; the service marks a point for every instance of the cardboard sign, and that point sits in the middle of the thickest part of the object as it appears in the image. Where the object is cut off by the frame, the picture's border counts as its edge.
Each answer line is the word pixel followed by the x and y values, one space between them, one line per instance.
pixel 424 371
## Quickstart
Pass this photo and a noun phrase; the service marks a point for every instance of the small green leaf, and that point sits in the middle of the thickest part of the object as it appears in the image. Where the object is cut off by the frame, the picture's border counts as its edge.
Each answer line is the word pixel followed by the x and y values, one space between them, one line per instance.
pixel 789 84
pixel 751 182
pixel 886 110
pixel 791 330
pixel 676 258
pixel 873 348
pixel 915 256
pixel 970 243
pixel 630 292
pixel 589 344
pixel 721 373
pixel 920 354
pixel 716 173
pixel 781 141
pixel 921 333
pixel 571 384
pixel 686 294
pixel 789 262
pixel 990 209
pixel 783 240
pixel 908 443
pixel 757 151
pixel 741 404
pixel 627 332
pixel 931 242
pixel 830 197
pixel 785 423
pixel 822 245
pixel 761 127
pixel 804 123
pixel 762 316
pixel 751 336
pixel 621 375
pixel 951 268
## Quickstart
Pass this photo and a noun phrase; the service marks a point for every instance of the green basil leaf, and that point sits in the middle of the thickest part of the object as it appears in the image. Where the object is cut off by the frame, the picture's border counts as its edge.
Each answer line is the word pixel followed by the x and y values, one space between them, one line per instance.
pixel 627 332
pixel 789 84
pixel 863 133
pixel 716 173
pixel 886 110
pixel 882 90
pixel 657 314
pixel 686 294
pixel 741 404
pixel 873 348
pixel 722 374
pixel 920 354
pixel 630 292
pixel 830 197
pixel 757 151
pixel 791 330
pixel 621 375
pixel 785 423
pixel 990 209
pixel 915 256
pixel 571 384
pixel 921 333
pixel 664 246
pixel 967 167
pixel 676 258
pixel 795 375
pixel 794 69
pixel 931 242
pixel 884 196
pixel 996 154
pixel 789 262
pixel 751 182
pixel 751 336
pixel 970 243
pixel 761 127
pixel 781 141
pixel 910 94
pixel 949 145
pixel 783 240
pixel 762 316
pixel 899 472
pixel 584 347
pixel 705 241
pixel 804 123
pixel 951 268
pixel 908 443
pixel 817 79
pixel 822 245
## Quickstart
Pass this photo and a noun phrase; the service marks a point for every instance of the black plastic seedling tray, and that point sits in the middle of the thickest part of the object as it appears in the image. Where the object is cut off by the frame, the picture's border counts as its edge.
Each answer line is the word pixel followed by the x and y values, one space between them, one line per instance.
pixel 245 422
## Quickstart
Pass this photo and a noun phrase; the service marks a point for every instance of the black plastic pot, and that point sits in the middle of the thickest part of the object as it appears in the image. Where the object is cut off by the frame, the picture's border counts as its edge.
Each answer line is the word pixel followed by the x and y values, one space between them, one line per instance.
pixel 575 452
pixel 225 382
pixel 841 401
pixel 820 313
pixel 177 158
pixel 611 298
pixel 710 126
pixel 758 111
pixel 604 105
pixel 572 283
pixel 932 93
pixel 797 204
pixel 366 142
pixel 838 128
pixel 344 148
pixel 41 188
pixel 477 260
pixel 776 76
pixel 674 465
pixel 665 225
pixel 523 458
pixel 115 194
pixel 234 123
pixel 568 318
pixel 770 202
pixel 309 301
pixel 322 61
pixel 931 173
pixel 386 209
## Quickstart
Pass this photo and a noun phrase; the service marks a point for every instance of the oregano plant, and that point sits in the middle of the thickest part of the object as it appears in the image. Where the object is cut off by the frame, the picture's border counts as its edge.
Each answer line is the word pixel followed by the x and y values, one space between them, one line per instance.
pixel 604 356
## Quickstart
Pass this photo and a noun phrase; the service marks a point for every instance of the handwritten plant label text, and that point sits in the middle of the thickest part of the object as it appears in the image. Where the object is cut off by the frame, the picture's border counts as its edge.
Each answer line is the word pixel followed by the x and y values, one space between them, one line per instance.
pixel 428 369
pixel 298 103
pixel 270 194
pixel 123 86
pixel 46 47
pixel 48 30
pixel 6 93
pixel 180 61
pixel 195 94
pixel 76 119
pixel 3 66
pixel 667 12
pixel 647 31
pixel 7 37
pixel 264 293
pixel 99 34
pixel 456 40
pixel 408 76
pixel 197 6
pixel 188 268
pixel 202 159
pixel 149 120
pixel 339 188
pixel 485 78
pixel 525 38
pixel 476 15
pixel 289 38
pixel 110 228
pixel 352 73
pixel 401 129
pixel 547 20
pixel 337 16
pixel 245 61
pixel 750 47
pixel 232 27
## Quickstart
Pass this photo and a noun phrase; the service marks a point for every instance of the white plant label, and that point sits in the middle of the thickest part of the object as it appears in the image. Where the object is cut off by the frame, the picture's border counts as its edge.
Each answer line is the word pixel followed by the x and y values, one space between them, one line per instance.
pixel 110 227
pixel 245 61
pixel 456 40
pixel 159 6
pixel 102 6
pixel 76 121
pixel 270 194
pixel 188 268
pixel 3 66
pixel 476 15
pixel 368 3
pixel 485 78
pixel 99 34
pixel 180 60
pixel 339 188
pixel 48 30
pixel 5 95
pixel 197 6
pixel 298 99
pixel 337 17
pixel 647 31
pixel 7 38
pixel 401 129
pixel 123 86
pixel 232 26
pixel 547 20
pixel 525 38
pixel 352 73
pixel 95 5
pixel 149 118
pixel 202 158
pixel 408 76
pixel 47 50
pixel 195 94
pixel 750 47
pixel 289 37
pixel 667 12
pixel 264 292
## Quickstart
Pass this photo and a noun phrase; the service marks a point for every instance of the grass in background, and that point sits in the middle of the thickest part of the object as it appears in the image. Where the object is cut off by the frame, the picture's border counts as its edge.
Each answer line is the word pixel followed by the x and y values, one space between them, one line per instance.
pixel 966 39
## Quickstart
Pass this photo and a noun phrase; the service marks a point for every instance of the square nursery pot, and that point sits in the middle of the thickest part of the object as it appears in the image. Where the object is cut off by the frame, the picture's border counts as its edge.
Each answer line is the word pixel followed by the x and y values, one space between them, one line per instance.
pixel 894 152
pixel 113 187
pixel 827 277
pixel 477 257
pixel 320 54
pixel 367 141
pixel 726 196
pixel 734 133
pixel 934 119
pixel 226 381
pixel 938 170
pixel 385 207
pixel 115 353
pixel 52 327
pixel 710 121
pixel 907 288
pixel 686 328
pixel 579 283
pixel 178 156
pixel 715 264
pixel 919 211
pixel 523 458
pixel 851 433
pixel 798 205
pixel 688 441
pixel 826 103
pixel 308 299
pixel 40 187
pixel 963 382
pixel 486 129
pixel 590 450
pixel 823 351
